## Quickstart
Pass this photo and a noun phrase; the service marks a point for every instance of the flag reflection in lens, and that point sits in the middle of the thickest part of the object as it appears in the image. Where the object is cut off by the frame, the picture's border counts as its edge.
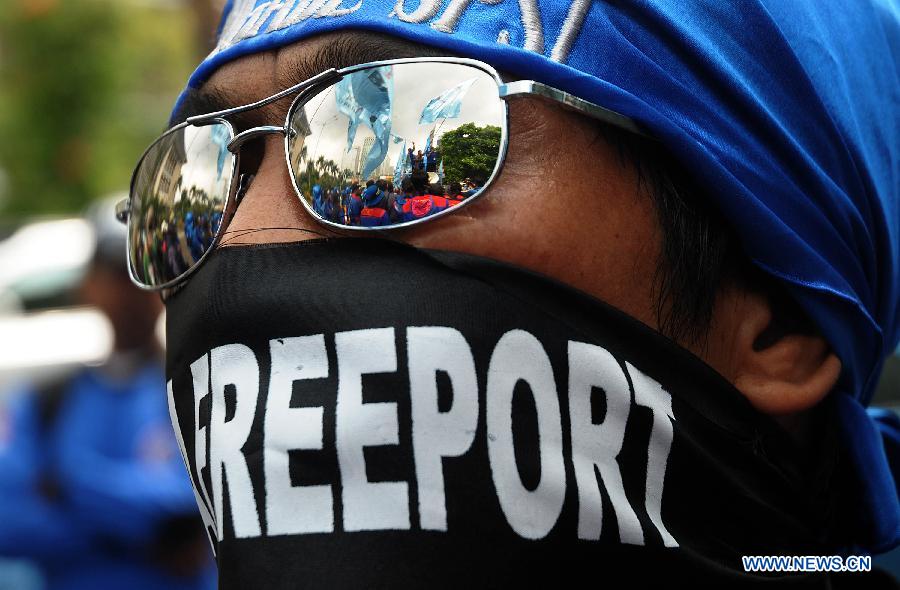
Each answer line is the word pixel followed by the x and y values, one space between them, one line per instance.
pixel 178 198
pixel 393 144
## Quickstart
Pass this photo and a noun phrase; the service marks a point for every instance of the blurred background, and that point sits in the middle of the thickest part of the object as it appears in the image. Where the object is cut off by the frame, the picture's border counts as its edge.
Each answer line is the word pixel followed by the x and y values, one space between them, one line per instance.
pixel 93 493
pixel 85 86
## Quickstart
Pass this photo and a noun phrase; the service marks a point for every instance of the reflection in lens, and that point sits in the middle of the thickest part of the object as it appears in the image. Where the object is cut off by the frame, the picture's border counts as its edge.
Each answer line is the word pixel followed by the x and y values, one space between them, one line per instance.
pixel 177 201
pixel 394 144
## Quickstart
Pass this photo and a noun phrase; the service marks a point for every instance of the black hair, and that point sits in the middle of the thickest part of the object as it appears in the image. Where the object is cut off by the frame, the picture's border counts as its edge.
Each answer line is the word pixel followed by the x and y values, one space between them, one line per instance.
pixel 699 252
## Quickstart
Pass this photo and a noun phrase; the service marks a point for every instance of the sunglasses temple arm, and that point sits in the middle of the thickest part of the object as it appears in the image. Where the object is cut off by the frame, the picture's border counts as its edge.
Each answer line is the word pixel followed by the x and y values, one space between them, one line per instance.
pixel 532 88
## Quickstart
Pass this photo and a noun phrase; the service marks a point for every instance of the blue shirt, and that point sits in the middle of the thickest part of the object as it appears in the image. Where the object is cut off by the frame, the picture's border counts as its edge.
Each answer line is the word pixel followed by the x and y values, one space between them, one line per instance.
pixel 112 454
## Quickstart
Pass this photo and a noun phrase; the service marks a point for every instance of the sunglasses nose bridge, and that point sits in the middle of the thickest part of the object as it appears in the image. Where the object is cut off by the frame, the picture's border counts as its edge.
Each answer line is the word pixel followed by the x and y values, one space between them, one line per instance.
pixel 235 144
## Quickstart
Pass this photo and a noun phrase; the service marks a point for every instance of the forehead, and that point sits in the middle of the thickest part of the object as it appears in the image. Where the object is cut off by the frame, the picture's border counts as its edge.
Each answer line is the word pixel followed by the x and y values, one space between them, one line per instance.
pixel 257 76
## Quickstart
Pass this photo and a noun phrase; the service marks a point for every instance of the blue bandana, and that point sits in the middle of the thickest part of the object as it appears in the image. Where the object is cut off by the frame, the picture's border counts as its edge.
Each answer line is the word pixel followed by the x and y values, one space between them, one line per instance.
pixel 788 113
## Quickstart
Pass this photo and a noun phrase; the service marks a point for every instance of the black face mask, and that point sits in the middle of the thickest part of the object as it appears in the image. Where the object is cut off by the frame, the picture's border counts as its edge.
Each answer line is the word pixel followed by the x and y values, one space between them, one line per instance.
pixel 359 412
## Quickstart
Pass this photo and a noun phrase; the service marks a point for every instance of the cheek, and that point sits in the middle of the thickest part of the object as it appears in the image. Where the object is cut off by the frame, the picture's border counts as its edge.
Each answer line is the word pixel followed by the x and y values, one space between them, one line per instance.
pixel 565 206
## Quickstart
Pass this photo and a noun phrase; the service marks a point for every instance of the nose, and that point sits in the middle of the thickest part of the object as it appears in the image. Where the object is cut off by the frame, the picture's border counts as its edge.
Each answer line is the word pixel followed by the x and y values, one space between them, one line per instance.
pixel 270 211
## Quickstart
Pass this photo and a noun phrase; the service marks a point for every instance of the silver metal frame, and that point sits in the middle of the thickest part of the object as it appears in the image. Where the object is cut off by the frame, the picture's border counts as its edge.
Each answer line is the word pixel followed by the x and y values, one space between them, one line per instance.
pixel 306 90
pixel 123 208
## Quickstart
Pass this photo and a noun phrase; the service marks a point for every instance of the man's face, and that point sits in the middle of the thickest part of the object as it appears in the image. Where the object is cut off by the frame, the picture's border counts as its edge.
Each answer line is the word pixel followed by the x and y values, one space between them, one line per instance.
pixel 564 205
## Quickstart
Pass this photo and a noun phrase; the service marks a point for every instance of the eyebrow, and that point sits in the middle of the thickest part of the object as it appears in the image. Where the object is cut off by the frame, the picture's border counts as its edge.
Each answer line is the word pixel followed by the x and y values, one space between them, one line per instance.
pixel 349 48
pixel 199 102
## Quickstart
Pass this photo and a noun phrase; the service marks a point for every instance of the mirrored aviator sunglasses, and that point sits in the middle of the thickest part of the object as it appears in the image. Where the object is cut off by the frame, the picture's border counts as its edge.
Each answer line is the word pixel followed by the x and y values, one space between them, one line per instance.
pixel 370 147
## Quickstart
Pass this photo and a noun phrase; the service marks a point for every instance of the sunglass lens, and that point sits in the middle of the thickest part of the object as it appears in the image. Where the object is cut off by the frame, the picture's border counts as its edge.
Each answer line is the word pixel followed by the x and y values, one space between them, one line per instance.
pixel 178 198
pixel 394 144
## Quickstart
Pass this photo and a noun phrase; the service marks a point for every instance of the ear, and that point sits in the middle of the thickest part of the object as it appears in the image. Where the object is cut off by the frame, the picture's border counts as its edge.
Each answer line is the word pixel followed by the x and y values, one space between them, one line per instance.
pixel 780 369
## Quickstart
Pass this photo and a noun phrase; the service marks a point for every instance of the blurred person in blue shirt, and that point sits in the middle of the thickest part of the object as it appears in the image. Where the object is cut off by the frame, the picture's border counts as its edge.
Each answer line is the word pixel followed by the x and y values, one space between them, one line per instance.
pixel 92 488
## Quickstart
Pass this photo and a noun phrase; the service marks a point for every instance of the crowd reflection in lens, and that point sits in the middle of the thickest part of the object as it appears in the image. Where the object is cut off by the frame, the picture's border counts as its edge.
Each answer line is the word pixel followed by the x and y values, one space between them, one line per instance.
pixel 178 200
pixel 394 144
pixel 417 189
pixel 380 203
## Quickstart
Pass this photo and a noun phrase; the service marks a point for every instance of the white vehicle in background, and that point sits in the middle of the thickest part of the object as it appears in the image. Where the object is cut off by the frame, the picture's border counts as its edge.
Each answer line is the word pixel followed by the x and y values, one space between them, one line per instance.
pixel 43 330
